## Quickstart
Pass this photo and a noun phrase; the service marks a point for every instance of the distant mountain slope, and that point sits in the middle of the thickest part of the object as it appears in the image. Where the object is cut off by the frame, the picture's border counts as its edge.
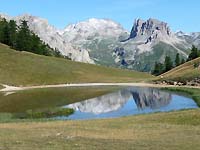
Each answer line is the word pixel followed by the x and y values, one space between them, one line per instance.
pixel 99 36
pixel 23 68
pixel 185 72
pixel 109 44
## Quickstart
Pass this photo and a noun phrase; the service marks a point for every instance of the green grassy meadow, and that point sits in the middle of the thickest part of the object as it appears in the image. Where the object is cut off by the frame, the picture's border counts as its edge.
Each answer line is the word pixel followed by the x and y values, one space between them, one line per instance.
pixel 25 69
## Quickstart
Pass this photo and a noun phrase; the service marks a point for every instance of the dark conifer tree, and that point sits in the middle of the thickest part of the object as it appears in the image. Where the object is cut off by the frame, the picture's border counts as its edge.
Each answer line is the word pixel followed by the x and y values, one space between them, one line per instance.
pixel 168 63
pixel 4 32
pixel 158 69
pixel 23 42
pixel 177 60
pixel 12 33
pixel 194 53
pixel 183 61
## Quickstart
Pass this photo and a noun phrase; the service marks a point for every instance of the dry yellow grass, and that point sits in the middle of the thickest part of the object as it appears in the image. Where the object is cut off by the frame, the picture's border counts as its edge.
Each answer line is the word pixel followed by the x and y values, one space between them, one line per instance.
pixel 162 131
pixel 183 72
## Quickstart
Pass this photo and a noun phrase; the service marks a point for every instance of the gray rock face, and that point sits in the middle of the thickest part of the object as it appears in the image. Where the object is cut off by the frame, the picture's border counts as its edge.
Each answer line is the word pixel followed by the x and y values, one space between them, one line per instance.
pixel 189 38
pixel 148 27
pixel 50 35
pixel 92 28
pixel 151 32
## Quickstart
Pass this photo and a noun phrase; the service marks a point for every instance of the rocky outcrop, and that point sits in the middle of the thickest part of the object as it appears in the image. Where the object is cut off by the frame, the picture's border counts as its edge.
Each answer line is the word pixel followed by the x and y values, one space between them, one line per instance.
pixel 152 31
pixel 150 27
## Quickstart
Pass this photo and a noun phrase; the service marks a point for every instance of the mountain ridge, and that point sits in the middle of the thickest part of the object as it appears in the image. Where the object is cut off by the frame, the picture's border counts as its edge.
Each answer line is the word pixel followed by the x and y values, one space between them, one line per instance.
pixel 105 42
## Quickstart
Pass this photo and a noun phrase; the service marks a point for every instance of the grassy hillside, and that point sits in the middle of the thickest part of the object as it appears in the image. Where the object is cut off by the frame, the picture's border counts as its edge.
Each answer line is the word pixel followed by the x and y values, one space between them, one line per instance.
pixel 183 72
pixel 161 131
pixel 23 68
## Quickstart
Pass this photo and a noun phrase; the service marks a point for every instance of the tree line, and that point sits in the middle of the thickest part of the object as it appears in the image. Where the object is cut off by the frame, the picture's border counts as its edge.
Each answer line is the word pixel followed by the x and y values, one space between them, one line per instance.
pixel 169 64
pixel 21 38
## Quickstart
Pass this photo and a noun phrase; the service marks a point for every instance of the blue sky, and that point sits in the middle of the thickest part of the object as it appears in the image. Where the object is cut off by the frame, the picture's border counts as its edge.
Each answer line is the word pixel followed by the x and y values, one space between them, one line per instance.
pixel 179 14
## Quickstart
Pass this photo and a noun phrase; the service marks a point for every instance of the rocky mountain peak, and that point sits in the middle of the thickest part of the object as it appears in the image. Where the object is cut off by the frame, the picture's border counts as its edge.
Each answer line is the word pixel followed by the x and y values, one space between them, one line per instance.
pixel 93 28
pixel 152 29
pixel 94 24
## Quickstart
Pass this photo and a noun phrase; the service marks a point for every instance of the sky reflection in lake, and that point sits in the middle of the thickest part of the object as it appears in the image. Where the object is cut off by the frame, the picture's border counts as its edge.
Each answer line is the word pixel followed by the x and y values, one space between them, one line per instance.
pixel 130 101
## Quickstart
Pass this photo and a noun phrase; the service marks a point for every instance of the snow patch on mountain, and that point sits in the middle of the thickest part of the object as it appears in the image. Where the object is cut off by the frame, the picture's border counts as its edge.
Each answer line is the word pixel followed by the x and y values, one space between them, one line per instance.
pixel 92 28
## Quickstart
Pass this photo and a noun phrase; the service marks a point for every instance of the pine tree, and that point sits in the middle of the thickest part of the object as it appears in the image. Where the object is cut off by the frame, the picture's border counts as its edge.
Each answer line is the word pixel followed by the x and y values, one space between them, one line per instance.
pixel 177 60
pixel 46 50
pixel 183 61
pixel 2 23
pixel 4 32
pixel 194 53
pixel 6 39
pixel 158 69
pixel 168 63
pixel 35 46
pixel 23 42
pixel 12 33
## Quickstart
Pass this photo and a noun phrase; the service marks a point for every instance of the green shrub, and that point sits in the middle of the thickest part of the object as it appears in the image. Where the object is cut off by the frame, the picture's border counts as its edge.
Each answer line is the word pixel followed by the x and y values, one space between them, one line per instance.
pixel 196 65
pixel 45 113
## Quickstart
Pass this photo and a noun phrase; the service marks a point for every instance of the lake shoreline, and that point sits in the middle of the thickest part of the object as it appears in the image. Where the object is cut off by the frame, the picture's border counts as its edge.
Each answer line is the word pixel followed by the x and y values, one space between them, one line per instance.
pixel 8 88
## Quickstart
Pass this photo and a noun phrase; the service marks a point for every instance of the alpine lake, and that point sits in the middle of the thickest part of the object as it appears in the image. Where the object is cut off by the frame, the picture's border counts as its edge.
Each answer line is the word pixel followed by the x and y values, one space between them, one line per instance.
pixel 95 102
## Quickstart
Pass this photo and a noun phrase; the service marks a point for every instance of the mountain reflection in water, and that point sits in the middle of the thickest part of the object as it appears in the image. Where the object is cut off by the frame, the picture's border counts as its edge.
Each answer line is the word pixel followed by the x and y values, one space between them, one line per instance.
pixel 130 101
pixel 150 97
pixel 143 98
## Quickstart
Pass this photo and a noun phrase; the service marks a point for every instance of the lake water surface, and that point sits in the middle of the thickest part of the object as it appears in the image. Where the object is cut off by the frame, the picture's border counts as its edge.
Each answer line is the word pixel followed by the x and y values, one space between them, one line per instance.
pixel 129 101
